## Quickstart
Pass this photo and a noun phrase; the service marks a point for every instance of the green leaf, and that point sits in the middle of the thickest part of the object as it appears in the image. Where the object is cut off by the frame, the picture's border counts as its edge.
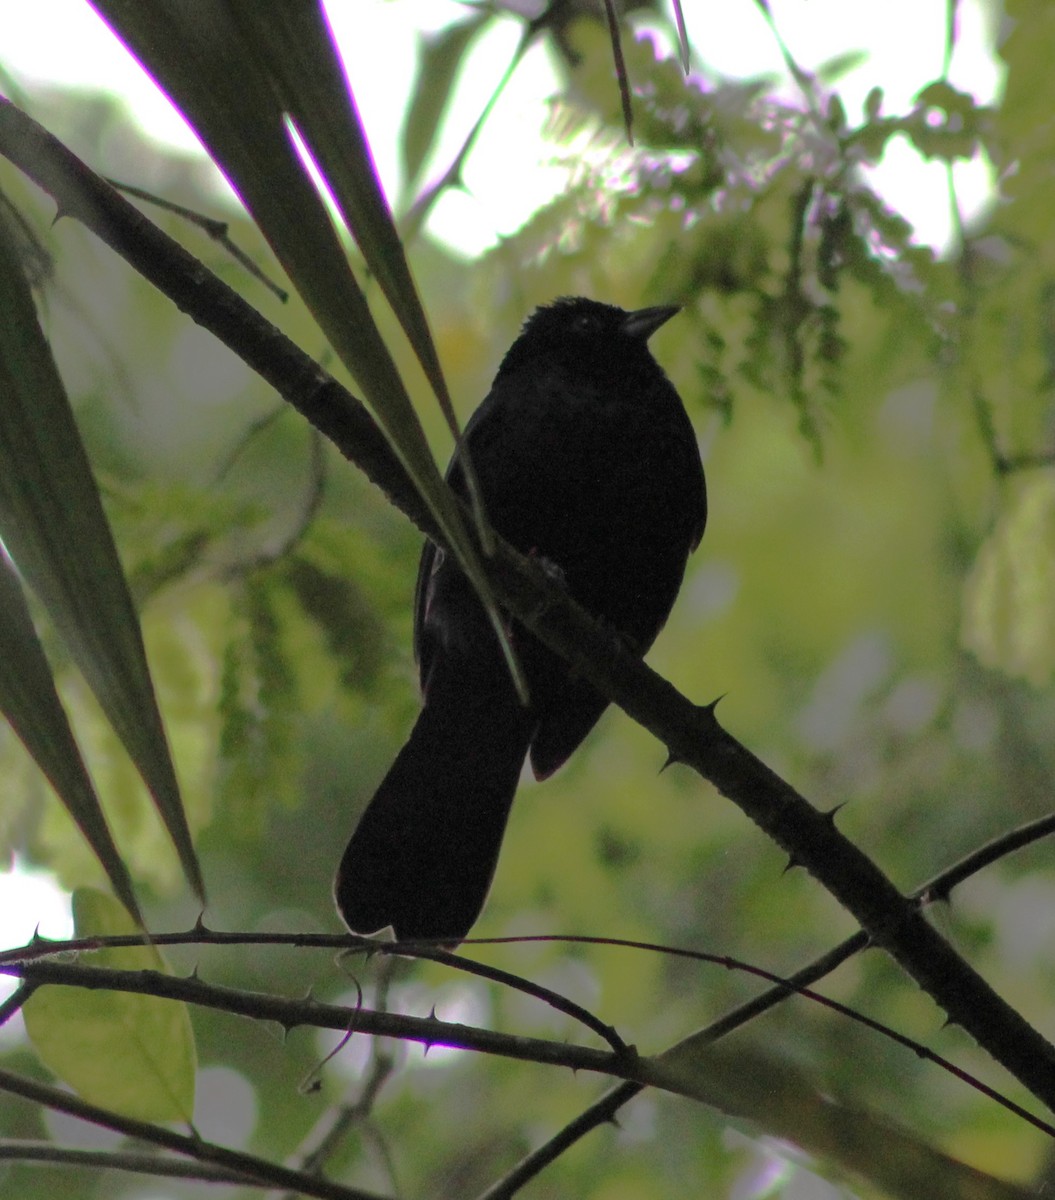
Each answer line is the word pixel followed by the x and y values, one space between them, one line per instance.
pixel 53 525
pixel 836 115
pixel 224 90
pixel 833 69
pixel 29 701
pixel 873 103
pixel 235 78
pixel 1010 594
pixel 941 94
pixel 442 55
pixel 129 1053
pixel 292 44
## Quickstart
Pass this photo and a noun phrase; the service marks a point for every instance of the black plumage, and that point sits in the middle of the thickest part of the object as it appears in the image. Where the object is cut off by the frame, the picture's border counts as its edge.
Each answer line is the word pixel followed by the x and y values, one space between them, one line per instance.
pixel 586 458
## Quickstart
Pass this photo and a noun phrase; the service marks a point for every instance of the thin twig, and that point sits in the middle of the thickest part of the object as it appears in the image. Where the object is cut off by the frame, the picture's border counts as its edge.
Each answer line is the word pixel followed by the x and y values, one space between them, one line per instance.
pixel 518 983
pixel 619 62
pixel 14 1150
pixel 15 1001
pixel 335 1124
pixel 603 1110
pixel 218 231
pixel 291 1013
pixel 247 1166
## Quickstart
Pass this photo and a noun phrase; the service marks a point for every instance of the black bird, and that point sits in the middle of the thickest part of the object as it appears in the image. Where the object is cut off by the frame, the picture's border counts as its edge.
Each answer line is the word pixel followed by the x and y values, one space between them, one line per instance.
pixel 587 459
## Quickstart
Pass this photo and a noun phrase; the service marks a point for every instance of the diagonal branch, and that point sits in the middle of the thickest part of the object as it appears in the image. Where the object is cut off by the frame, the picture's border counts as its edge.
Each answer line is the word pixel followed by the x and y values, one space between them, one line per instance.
pixel 691 733
pixel 290 1013
pixel 603 1109
pixel 740 1083
pixel 237 1163
pixel 136 1162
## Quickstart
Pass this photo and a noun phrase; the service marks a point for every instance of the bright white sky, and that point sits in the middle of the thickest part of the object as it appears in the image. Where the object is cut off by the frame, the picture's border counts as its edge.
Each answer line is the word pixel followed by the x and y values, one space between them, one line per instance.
pixel 509 176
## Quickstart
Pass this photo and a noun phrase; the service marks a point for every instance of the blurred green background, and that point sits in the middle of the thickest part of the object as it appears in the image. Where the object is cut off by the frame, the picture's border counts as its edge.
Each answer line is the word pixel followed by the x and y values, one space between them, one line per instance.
pixel 872 599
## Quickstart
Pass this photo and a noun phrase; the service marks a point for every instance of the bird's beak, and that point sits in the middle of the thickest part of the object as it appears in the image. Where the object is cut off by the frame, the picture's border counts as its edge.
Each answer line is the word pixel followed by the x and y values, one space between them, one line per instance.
pixel 643 322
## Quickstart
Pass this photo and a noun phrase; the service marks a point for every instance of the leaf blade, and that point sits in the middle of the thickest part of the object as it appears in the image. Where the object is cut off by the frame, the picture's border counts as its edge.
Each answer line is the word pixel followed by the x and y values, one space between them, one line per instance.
pixel 131 1053
pixel 31 705
pixel 54 527
pixel 231 92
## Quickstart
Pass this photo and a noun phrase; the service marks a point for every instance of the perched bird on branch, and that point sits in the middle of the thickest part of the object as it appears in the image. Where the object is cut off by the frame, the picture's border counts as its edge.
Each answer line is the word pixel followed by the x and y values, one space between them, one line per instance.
pixel 585 458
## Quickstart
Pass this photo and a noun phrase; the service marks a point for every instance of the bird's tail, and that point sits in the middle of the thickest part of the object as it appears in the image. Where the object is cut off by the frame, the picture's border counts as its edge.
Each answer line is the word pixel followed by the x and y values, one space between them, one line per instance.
pixel 424 852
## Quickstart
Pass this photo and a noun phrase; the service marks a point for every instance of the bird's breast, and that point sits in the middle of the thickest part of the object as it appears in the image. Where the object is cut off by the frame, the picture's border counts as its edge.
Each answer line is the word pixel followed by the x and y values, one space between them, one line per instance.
pixel 610 493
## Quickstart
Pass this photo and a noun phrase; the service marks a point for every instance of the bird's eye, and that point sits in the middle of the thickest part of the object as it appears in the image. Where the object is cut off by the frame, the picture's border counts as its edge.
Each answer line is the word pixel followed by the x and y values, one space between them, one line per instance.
pixel 585 323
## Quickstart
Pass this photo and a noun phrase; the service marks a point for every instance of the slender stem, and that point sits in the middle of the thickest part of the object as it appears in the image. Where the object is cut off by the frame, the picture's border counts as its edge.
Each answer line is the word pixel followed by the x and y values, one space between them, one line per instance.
pixel 13 1150
pixel 246 1166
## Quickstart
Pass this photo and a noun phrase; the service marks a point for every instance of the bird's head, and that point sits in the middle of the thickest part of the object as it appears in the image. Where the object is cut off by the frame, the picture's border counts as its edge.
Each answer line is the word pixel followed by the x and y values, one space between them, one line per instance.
pixel 587 334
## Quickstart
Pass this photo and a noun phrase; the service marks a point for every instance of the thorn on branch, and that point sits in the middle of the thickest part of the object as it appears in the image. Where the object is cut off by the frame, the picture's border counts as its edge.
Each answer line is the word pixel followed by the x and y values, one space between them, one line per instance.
pixel 670 760
pixel 368 947
pixel 628 1052
pixel 939 894
pixel 830 815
